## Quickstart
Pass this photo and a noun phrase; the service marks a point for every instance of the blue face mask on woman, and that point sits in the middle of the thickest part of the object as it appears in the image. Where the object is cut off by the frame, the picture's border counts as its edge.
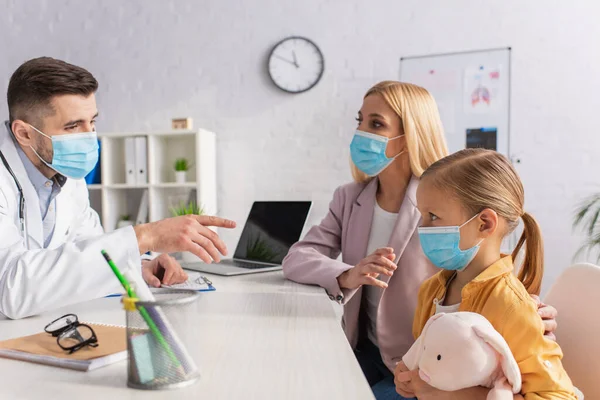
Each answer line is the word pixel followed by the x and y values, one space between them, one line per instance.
pixel 441 246
pixel 368 152
pixel 74 155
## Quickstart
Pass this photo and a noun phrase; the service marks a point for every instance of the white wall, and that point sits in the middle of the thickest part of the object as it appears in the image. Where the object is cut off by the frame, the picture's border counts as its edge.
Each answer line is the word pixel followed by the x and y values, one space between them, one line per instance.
pixel 206 59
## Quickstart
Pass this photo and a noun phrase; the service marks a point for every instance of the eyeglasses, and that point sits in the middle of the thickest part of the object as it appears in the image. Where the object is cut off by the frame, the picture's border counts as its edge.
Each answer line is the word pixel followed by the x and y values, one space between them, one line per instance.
pixel 70 334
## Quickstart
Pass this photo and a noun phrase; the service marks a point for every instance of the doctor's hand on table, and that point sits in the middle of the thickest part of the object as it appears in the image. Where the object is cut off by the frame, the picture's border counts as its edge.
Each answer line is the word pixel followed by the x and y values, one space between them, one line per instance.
pixel 164 269
pixel 183 233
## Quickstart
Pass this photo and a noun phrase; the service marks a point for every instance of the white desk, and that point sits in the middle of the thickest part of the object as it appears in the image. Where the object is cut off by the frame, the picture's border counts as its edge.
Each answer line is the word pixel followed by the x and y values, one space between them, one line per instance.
pixel 261 337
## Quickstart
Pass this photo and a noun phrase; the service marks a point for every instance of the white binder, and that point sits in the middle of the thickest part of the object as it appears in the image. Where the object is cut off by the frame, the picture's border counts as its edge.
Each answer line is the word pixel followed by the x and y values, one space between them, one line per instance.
pixel 141 160
pixel 130 167
pixel 142 216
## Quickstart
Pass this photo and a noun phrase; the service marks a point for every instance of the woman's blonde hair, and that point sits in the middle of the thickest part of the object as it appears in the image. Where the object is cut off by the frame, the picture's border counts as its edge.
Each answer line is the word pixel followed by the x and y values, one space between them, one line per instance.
pixel 420 121
pixel 482 179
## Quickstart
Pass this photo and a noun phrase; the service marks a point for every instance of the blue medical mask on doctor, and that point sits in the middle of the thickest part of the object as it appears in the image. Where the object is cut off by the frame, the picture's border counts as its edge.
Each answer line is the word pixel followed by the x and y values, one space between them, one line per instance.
pixel 74 154
pixel 368 152
pixel 441 246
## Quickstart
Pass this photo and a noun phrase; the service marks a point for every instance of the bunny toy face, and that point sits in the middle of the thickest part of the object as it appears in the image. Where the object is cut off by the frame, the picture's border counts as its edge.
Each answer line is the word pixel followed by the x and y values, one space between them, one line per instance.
pixel 454 357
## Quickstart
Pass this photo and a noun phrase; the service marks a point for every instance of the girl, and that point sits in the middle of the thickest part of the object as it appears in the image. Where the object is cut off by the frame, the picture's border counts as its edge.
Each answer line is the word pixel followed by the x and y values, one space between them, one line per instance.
pixel 479 196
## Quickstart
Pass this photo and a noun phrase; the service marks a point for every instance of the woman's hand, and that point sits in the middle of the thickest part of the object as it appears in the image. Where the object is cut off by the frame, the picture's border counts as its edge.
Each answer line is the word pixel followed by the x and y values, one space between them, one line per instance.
pixel 548 314
pixel 381 261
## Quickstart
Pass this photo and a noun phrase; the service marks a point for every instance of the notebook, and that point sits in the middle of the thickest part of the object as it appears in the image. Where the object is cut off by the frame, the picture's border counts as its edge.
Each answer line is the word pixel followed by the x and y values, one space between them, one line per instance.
pixel 42 348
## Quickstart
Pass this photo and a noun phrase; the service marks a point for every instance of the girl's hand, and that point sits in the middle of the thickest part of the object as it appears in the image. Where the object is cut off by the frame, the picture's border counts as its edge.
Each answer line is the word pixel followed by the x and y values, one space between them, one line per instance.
pixel 402 379
pixel 421 389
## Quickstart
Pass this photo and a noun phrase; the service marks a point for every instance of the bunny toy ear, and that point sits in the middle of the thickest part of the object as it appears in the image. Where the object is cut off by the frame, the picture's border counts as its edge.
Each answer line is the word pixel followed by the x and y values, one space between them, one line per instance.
pixel 412 358
pixel 509 365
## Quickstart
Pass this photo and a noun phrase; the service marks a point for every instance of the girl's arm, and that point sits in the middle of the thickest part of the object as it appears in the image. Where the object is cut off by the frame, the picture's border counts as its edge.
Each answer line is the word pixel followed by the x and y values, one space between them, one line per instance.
pixel 538 357
pixel 425 392
pixel 474 393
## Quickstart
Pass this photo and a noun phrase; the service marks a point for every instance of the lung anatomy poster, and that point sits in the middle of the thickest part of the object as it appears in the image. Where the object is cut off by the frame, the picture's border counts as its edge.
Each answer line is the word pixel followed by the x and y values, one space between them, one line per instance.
pixel 481 93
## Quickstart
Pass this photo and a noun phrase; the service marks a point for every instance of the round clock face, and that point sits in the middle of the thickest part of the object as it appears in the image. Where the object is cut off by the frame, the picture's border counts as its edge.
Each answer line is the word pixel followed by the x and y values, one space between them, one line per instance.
pixel 296 64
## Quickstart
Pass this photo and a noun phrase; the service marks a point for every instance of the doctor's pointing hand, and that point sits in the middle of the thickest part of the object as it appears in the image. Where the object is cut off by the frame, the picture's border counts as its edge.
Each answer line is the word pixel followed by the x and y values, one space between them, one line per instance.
pixel 50 237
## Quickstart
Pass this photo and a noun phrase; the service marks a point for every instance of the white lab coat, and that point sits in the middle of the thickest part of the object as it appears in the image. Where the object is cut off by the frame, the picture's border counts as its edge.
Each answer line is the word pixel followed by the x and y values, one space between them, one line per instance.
pixel 71 269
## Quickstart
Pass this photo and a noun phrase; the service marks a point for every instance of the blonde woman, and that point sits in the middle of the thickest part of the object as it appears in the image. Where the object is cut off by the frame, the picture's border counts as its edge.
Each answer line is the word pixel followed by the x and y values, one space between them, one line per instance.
pixel 373 223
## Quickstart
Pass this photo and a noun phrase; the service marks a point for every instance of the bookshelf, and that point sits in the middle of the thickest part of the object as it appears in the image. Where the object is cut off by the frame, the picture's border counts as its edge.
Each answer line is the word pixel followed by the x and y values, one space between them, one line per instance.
pixel 114 197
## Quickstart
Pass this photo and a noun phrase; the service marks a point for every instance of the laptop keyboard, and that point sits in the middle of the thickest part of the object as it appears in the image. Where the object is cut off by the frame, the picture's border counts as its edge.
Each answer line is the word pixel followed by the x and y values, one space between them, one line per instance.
pixel 249 265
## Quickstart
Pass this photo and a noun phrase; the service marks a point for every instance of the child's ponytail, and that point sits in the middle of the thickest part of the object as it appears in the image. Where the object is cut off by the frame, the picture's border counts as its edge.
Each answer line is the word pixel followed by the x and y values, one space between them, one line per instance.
pixel 533 266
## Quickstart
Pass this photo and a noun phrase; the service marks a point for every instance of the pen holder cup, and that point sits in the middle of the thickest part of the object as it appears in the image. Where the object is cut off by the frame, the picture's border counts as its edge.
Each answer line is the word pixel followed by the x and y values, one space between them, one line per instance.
pixel 159 334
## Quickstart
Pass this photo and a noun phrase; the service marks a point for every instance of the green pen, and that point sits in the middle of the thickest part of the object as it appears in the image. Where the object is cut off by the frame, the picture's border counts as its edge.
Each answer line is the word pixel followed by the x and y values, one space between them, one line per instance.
pixel 144 313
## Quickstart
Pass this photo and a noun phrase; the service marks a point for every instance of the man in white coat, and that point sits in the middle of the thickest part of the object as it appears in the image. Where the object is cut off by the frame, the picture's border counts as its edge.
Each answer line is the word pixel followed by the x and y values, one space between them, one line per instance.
pixel 50 237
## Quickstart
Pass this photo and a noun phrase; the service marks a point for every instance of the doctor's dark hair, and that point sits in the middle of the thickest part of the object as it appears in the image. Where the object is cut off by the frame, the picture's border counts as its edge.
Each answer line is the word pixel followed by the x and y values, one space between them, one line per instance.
pixel 33 85
pixel 481 179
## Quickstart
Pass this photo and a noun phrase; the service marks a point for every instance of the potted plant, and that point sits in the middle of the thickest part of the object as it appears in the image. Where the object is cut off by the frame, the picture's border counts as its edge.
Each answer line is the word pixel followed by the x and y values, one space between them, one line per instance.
pixel 587 218
pixel 124 220
pixel 182 165
pixel 190 208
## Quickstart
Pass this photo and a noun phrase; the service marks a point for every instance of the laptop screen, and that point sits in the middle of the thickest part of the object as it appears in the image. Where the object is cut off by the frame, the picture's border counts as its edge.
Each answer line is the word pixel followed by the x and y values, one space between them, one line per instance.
pixel 271 229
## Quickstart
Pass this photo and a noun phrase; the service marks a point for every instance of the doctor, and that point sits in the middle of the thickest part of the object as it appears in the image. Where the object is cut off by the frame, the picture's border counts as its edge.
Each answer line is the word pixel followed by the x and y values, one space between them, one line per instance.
pixel 50 237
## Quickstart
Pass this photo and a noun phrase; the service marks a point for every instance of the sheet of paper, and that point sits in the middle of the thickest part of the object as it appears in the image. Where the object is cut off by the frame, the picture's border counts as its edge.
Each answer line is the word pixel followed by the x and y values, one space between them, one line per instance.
pixel 194 282
pixel 481 93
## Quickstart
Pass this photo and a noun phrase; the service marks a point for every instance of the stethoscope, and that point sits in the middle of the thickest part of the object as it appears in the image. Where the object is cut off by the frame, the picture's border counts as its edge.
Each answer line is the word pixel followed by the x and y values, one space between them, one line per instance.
pixel 21 198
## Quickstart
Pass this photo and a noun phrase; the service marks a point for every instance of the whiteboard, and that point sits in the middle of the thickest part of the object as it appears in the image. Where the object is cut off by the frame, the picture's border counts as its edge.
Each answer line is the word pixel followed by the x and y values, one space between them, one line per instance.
pixel 472 90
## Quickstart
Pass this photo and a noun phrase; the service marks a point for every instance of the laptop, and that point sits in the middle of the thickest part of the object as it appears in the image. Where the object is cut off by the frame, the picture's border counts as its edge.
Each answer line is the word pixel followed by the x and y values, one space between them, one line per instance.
pixel 271 229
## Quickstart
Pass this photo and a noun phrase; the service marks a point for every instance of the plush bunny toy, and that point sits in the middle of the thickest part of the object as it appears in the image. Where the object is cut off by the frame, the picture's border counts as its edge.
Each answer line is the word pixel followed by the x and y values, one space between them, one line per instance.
pixel 462 350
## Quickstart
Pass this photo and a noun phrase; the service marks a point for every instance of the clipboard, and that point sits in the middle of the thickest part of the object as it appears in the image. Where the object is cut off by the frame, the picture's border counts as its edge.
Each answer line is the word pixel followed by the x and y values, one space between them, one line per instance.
pixel 196 283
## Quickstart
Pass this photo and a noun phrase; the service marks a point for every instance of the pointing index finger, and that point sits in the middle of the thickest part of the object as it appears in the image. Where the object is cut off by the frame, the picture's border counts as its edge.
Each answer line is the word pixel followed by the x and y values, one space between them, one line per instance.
pixel 210 220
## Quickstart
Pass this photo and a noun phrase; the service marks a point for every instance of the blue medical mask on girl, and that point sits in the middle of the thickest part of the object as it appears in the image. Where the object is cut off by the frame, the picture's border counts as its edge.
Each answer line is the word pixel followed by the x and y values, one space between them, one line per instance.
pixel 74 155
pixel 368 152
pixel 441 246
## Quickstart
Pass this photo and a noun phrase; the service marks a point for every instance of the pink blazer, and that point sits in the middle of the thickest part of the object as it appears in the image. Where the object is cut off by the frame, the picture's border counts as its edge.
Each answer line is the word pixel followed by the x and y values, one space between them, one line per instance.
pixel 346 230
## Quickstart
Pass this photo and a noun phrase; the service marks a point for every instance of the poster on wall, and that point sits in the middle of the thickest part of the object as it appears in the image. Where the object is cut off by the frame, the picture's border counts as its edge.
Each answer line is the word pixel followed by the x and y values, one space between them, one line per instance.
pixel 441 84
pixel 481 93
pixel 436 80
pixel 484 138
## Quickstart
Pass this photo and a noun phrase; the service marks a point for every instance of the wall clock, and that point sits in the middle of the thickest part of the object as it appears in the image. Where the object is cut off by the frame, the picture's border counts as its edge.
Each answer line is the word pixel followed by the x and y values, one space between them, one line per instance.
pixel 296 64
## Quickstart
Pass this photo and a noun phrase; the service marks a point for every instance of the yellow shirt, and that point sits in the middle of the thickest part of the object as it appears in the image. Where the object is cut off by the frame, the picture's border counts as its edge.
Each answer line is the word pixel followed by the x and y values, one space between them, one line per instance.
pixel 498 295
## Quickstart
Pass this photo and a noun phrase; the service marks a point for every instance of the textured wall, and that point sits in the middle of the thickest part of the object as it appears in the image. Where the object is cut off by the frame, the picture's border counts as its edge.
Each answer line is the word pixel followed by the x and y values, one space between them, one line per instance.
pixel 207 59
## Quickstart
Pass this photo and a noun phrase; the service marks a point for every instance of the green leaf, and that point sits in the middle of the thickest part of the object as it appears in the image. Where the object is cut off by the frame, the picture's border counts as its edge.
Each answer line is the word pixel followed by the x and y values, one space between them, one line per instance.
pixel 182 164
pixel 587 218
pixel 592 223
pixel 592 243
pixel 187 209
pixel 585 207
